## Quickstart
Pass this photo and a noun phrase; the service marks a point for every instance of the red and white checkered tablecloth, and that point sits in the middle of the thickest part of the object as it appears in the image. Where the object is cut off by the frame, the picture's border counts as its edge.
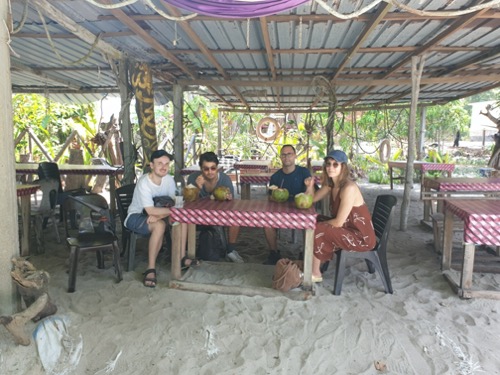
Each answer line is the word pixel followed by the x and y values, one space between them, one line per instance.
pixel 479 186
pixel 23 190
pixel 317 165
pixel 426 167
pixel 481 220
pixel 256 179
pixel 263 179
pixel 263 165
pixel 245 213
pixel 455 184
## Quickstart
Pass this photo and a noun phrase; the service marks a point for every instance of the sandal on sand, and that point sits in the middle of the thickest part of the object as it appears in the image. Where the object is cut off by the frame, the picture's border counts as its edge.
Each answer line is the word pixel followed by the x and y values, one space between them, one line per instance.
pixel 149 282
pixel 317 279
pixel 192 263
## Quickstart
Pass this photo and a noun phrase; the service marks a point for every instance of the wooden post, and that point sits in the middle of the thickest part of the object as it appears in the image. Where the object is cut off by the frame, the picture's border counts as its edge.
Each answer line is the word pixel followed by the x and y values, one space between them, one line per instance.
pixel 219 133
pixel 417 65
pixel 178 103
pixel 125 126
pixel 142 81
pixel 421 140
pixel 9 241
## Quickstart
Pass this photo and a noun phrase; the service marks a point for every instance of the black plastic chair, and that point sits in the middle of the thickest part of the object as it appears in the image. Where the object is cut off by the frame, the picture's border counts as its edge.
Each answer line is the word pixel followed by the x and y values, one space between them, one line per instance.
pixel 50 171
pixel 94 232
pixel 376 259
pixel 124 196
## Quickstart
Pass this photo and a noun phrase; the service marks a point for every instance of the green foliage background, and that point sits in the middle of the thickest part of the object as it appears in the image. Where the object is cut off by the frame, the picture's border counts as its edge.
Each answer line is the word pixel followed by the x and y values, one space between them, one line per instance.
pixel 53 122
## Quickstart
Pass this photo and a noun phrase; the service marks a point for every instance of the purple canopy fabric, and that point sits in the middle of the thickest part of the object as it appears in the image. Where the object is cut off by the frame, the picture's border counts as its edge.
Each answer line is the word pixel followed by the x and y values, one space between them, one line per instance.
pixel 236 8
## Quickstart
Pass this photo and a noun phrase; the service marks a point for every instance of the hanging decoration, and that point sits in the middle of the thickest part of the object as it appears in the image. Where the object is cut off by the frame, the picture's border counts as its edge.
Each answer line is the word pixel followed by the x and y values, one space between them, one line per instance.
pixel 236 8
pixel 268 129
pixel 384 150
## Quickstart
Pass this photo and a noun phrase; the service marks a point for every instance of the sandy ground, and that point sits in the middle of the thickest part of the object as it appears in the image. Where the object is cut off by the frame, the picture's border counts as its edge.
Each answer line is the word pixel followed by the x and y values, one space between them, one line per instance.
pixel 423 328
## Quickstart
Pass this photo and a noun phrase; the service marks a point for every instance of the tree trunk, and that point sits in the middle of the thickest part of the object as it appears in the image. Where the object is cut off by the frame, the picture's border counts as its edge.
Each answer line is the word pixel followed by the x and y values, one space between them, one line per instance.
pixel 417 65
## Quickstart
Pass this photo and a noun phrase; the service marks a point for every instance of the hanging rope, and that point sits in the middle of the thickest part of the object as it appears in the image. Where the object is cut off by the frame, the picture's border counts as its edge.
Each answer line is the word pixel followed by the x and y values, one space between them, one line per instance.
pixel 23 18
pixel 436 13
pixel 63 60
pixel 330 10
pixel 10 40
pixel 168 16
pixel 112 6
pixel 248 33
pixel 148 2
pixel 300 33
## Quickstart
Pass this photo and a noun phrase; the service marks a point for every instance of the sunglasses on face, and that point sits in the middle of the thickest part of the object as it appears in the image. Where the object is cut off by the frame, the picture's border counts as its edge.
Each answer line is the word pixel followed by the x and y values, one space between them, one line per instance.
pixel 206 169
pixel 333 164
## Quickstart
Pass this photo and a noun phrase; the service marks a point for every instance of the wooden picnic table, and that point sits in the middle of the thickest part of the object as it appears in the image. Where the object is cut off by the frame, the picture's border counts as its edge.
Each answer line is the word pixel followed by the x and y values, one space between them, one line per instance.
pixel 244 213
pixel 440 188
pixel 262 179
pixel 24 193
pixel 195 168
pixel 317 165
pixel 481 220
pixel 422 167
pixel 261 166
pixel 246 180
pixel 78 169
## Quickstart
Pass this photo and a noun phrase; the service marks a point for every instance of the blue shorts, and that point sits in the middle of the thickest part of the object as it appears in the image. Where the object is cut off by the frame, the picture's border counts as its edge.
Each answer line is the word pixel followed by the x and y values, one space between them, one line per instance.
pixel 138 223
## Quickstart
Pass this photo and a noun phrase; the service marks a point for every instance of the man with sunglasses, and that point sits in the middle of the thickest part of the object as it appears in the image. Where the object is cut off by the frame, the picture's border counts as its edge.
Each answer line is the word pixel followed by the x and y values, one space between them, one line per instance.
pixel 207 179
pixel 290 177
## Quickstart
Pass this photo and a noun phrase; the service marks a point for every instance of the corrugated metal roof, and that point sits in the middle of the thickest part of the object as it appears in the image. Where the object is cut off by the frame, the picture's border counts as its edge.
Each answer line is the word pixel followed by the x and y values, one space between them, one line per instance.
pixel 230 59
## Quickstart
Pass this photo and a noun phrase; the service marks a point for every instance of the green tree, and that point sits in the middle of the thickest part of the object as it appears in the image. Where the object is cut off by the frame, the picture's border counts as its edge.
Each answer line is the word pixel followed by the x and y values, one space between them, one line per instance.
pixel 443 121
pixel 50 121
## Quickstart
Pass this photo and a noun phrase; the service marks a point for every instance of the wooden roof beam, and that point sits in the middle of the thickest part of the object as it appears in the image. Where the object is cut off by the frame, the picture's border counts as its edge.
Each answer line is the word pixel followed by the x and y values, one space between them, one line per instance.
pixel 267 43
pixel 377 18
pixel 373 23
pixel 472 77
pixel 455 26
pixel 493 52
pixel 269 53
pixel 62 19
pixel 140 32
pixel 203 48
pixel 47 76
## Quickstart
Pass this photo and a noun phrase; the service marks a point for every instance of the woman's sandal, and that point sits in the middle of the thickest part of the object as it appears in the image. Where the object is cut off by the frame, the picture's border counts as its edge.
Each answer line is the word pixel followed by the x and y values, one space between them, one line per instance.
pixel 317 279
pixel 149 282
pixel 193 263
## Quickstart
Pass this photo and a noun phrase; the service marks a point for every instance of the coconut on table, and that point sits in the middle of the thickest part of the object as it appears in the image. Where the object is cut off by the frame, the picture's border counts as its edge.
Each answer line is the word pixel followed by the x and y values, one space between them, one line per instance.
pixel 279 194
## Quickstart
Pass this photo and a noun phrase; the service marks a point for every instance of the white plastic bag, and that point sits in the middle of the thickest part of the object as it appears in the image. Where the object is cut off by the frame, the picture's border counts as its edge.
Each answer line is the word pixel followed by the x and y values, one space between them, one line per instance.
pixel 58 351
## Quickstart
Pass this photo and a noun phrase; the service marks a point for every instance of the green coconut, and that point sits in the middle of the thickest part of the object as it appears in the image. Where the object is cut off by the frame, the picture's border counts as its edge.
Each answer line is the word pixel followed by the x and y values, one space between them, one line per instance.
pixel 279 194
pixel 191 193
pixel 221 193
pixel 303 200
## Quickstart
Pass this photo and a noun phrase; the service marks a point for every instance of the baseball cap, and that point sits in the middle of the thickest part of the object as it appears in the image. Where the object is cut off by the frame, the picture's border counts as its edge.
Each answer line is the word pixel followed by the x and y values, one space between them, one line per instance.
pixel 337 155
pixel 160 153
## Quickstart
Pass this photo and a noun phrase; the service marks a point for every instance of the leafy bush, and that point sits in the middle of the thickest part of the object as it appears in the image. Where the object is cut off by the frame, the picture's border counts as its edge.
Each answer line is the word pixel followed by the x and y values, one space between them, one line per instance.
pixel 378 176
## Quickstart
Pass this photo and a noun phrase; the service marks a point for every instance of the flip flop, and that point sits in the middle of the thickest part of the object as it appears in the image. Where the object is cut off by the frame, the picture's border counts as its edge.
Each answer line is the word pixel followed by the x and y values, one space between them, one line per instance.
pixel 317 279
pixel 150 280
pixel 194 262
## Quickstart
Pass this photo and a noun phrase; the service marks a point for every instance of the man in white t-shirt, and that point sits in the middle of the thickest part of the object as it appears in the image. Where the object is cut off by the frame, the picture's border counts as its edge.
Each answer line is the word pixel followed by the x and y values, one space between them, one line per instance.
pixel 146 219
